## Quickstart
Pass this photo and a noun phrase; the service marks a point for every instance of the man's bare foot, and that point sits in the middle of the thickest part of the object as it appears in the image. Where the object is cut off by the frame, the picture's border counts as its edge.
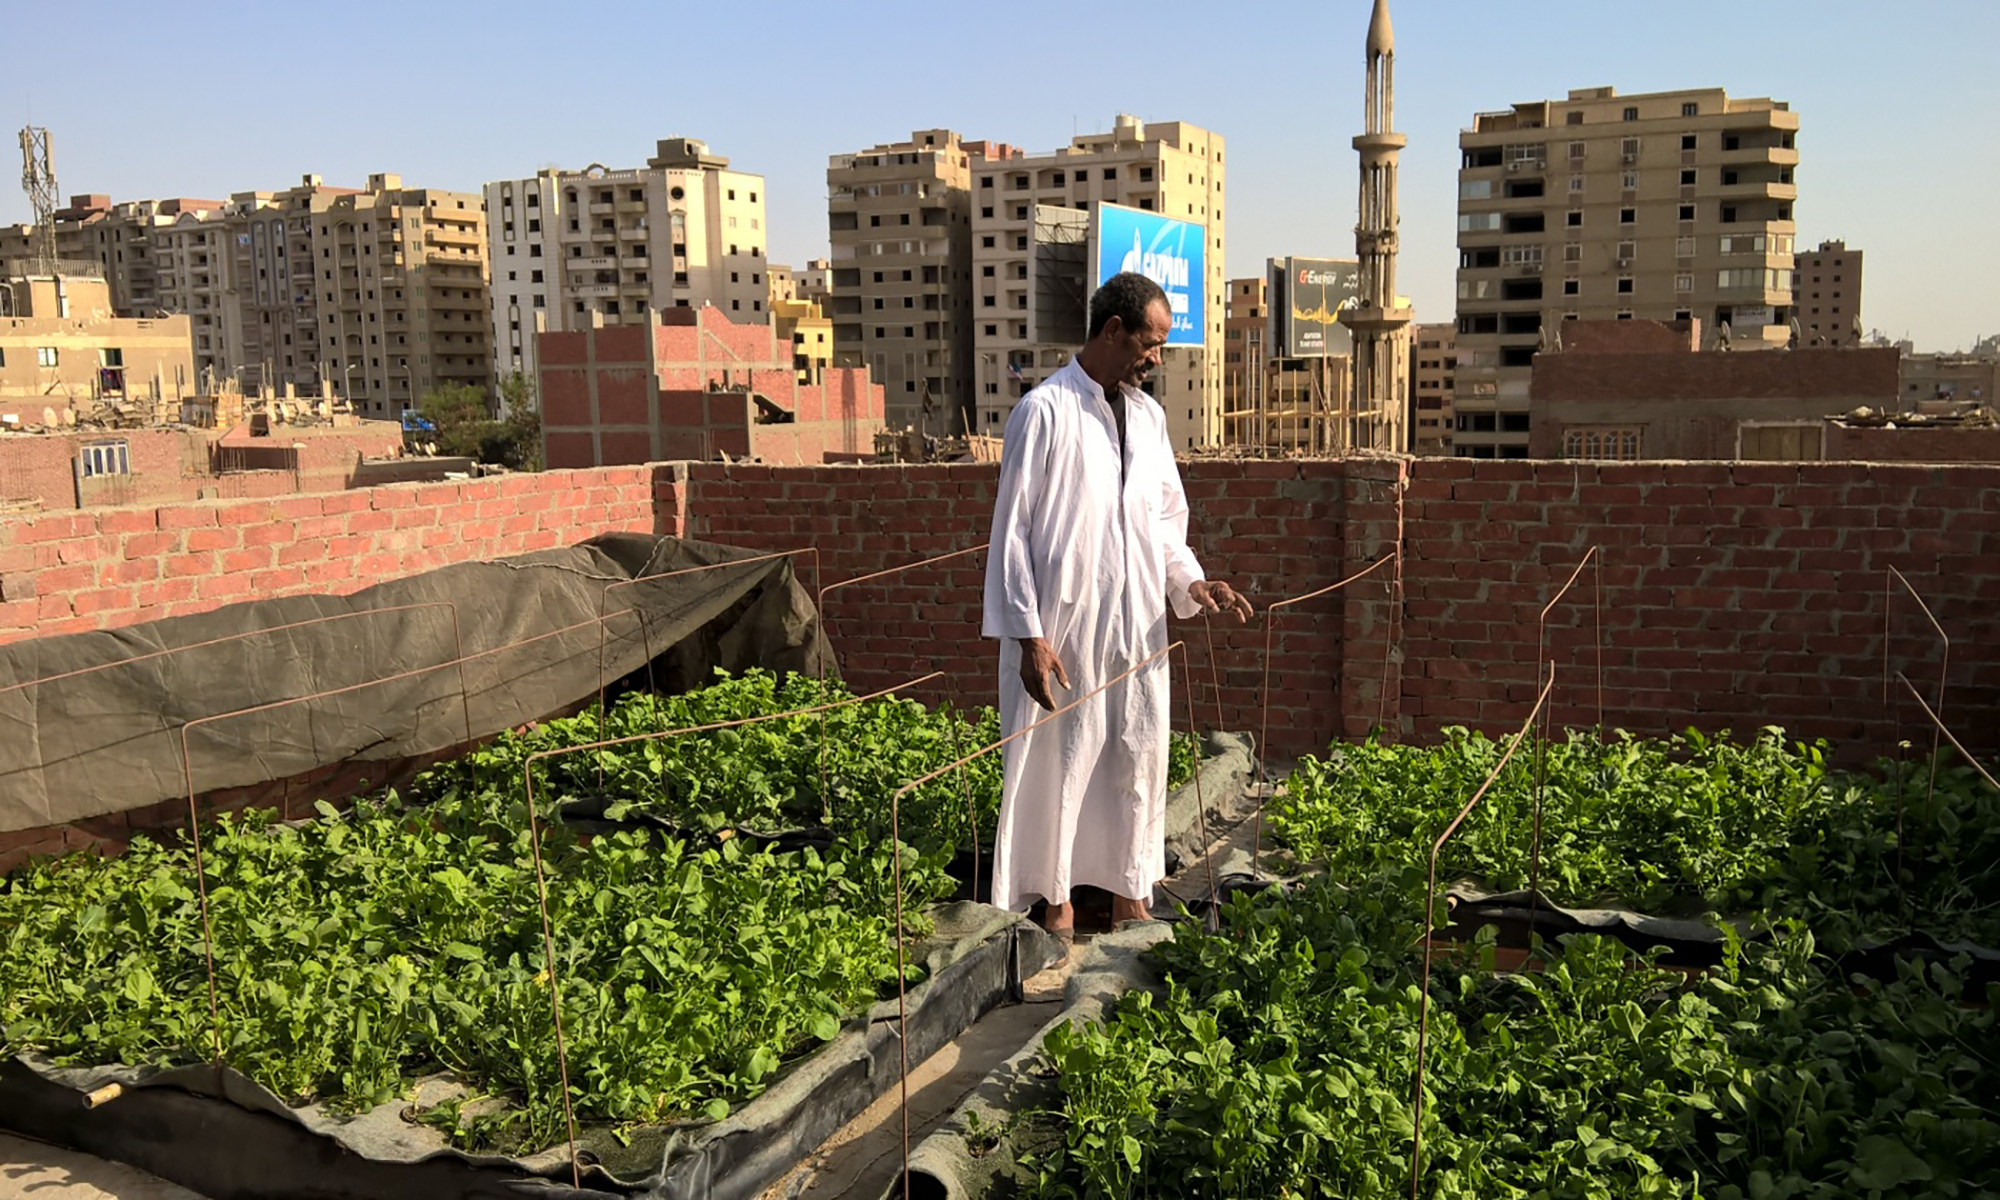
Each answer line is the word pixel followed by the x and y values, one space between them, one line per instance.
pixel 1059 917
pixel 1123 910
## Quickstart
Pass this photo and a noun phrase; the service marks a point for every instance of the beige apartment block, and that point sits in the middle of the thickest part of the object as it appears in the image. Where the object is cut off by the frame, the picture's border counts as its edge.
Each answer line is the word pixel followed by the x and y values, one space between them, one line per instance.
pixel 574 249
pixel 1245 359
pixel 814 282
pixel 122 239
pixel 404 307
pixel 192 276
pixel 809 332
pixel 900 231
pixel 1829 295
pixel 1665 206
pixel 1169 167
pixel 1433 380
pixel 780 283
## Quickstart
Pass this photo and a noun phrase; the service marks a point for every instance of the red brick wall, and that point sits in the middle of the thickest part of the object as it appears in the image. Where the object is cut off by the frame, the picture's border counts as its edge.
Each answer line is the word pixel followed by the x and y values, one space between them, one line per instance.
pixel 66 572
pixel 1942 445
pixel 1736 595
pixel 1273 528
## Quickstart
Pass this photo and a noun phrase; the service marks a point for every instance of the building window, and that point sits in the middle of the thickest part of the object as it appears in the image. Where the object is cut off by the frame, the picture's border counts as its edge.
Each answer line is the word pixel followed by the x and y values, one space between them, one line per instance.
pixel 105 458
pixel 1576 148
pixel 1575 218
pixel 1631 114
pixel 1629 181
pixel 1572 253
pixel 1145 174
pixel 47 356
pixel 986 242
pixel 1687 212
pixel 1627 216
pixel 1690 109
pixel 1687 141
pixel 1684 283
pixel 1601 442
pixel 1570 287
pixel 1575 184
pixel 1625 285
pixel 1687 178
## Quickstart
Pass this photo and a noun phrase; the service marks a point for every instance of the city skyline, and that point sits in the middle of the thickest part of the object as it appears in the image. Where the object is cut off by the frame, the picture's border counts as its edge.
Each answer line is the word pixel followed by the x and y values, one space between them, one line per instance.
pixel 483 104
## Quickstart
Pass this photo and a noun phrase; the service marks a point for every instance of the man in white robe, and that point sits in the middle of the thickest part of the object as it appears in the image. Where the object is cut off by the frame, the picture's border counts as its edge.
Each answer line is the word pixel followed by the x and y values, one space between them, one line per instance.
pixel 1089 548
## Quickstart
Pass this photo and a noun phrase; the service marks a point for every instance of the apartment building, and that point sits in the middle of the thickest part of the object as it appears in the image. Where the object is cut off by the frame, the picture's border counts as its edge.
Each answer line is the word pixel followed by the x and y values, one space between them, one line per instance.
pixel 1668 206
pixel 122 239
pixel 1172 168
pixel 814 282
pixel 899 225
pixel 1829 295
pixel 570 250
pixel 1244 359
pixel 1433 381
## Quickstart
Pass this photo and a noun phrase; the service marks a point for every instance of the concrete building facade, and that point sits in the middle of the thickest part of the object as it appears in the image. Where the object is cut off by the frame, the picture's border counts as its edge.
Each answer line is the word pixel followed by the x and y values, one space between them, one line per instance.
pixel 120 238
pixel 1245 361
pixel 899 224
pixel 573 249
pixel 1666 206
pixel 1828 281
pixel 65 352
pixel 1169 167
pixel 1433 383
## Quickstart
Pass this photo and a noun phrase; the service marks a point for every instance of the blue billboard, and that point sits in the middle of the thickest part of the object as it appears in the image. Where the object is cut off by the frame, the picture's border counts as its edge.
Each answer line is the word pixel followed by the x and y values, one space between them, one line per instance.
pixel 1164 250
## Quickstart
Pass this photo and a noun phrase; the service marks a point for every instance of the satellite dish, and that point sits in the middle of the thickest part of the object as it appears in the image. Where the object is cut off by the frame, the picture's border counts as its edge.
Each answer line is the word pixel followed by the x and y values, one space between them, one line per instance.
pixel 48 416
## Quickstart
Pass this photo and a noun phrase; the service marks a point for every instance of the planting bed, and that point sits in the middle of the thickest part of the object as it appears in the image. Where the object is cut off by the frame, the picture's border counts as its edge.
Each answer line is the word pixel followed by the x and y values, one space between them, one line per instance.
pixel 1687 825
pixel 724 930
pixel 392 955
pixel 1806 1056
pixel 1278 1061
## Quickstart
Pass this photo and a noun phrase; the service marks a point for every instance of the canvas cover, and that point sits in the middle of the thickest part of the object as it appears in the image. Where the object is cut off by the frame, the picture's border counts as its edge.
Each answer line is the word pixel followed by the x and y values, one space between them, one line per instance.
pixel 94 723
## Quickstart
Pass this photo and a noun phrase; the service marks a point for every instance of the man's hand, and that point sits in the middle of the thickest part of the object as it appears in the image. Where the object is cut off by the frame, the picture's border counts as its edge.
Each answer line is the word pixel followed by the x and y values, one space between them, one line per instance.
pixel 1217 596
pixel 1038 658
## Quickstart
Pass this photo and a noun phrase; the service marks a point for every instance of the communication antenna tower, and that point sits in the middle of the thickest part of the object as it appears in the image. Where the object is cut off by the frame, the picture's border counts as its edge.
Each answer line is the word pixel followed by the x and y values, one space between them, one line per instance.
pixel 38 179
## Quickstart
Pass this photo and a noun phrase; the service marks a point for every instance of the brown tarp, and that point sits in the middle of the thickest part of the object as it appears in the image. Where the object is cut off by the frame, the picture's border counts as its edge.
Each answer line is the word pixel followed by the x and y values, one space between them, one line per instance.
pixel 427 663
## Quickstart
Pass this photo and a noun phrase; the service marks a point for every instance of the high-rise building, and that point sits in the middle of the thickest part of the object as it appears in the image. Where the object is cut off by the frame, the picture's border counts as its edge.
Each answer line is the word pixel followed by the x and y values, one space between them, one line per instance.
pixel 570 249
pixel 1828 283
pixel 119 238
pixel 380 291
pixel 1170 167
pixel 1665 206
pixel 1379 319
pixel 1433 377
pixel 898 220
pixel 1244 358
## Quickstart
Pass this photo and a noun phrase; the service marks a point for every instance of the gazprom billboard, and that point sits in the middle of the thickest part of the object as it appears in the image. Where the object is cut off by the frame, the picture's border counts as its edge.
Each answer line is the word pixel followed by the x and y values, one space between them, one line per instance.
pixel 1164 250
pixel 1306 296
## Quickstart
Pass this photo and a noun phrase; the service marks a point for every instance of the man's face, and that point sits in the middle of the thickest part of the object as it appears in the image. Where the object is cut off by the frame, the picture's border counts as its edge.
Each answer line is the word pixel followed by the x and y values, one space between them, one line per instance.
pixel 1139 349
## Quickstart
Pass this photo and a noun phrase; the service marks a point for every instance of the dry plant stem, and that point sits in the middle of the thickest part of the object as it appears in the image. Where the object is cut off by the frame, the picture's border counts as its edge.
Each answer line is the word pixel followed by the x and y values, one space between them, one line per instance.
pixel 1264 725
pixel 1430 911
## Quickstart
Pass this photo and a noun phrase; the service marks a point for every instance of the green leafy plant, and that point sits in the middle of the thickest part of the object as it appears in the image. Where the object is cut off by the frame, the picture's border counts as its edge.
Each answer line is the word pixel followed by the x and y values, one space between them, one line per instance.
pixel 1683 824
pixel 1279 1061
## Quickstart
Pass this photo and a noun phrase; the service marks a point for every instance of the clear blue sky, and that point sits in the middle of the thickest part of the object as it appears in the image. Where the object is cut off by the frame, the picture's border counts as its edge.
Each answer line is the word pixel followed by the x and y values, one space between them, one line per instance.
pixel 1897 99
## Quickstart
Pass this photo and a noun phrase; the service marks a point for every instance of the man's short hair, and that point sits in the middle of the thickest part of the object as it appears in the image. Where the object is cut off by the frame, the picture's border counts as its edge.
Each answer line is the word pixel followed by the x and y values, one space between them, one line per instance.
pixel 1126 296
